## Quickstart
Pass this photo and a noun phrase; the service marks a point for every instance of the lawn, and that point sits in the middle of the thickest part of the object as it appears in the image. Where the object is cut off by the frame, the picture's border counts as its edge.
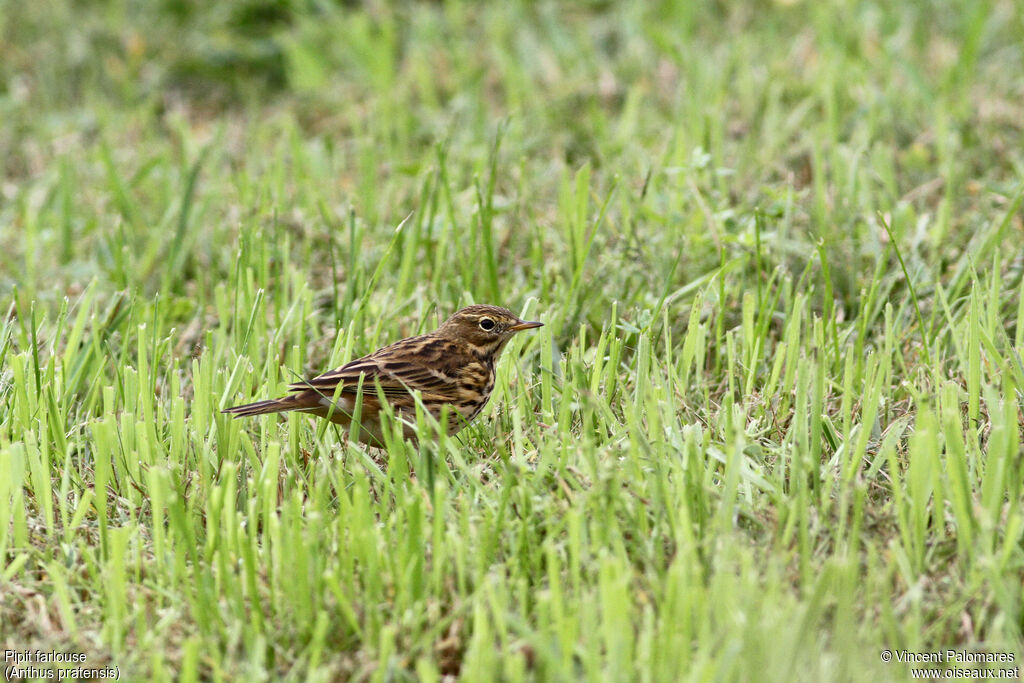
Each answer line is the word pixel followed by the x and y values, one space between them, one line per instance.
pixel 771 429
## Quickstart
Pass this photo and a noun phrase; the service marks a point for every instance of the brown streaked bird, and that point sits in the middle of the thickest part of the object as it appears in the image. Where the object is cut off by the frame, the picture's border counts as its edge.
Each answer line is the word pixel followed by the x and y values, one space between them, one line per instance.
pixel 453 366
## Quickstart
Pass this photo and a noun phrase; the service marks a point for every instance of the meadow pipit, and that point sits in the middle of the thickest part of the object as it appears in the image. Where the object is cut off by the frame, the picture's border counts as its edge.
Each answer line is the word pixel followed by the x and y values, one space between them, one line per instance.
pixel 451 366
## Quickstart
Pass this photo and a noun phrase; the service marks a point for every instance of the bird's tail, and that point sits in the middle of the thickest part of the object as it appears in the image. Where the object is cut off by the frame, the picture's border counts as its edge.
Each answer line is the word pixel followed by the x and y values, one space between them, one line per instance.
pixel 274 405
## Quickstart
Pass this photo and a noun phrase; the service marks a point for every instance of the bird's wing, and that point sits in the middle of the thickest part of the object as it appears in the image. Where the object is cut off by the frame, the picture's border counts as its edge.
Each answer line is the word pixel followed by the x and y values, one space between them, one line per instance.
pixel 405 366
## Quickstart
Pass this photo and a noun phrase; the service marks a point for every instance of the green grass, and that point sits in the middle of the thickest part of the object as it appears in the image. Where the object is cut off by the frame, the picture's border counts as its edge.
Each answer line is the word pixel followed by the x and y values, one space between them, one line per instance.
pixel 772 425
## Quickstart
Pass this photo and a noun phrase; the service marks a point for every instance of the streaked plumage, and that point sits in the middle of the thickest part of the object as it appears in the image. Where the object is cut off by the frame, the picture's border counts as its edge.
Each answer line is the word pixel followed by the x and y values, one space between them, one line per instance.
pixel 453 365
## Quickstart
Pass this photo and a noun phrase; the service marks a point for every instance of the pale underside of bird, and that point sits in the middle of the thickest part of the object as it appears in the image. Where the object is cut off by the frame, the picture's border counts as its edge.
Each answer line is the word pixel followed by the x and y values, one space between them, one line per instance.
pixel 450 371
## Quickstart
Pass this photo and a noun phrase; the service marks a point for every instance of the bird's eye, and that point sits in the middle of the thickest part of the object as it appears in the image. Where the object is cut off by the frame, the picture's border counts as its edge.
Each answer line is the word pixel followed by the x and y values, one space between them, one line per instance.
pixel 486 324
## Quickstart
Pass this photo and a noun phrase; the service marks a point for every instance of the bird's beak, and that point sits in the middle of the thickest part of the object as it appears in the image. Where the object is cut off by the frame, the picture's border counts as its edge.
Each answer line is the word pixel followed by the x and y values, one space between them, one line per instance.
pixel 525 325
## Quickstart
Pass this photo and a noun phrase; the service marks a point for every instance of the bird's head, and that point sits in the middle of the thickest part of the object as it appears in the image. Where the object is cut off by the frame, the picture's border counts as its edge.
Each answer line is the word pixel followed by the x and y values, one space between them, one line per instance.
pixel 488 328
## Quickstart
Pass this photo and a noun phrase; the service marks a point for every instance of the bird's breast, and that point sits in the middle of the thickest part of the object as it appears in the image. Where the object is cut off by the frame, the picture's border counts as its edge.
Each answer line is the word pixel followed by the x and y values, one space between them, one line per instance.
pixel 474 389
